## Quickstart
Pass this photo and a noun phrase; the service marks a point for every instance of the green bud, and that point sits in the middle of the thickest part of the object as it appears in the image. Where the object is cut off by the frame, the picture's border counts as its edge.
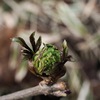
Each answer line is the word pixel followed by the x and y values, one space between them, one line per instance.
pixel 45 62
pixel 45 59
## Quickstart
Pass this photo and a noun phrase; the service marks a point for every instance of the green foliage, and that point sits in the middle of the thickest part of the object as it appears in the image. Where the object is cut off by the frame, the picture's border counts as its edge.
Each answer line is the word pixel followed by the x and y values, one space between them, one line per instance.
pixel 45 59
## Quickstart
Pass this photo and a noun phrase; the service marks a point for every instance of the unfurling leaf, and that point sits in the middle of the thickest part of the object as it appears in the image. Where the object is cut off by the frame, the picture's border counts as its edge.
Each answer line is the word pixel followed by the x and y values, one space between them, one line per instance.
pixel 22 42
pixel 32 41
pixel 38 44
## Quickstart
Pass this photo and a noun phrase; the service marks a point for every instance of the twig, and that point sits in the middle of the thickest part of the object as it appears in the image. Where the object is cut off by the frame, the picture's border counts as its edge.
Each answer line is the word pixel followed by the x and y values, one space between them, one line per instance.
pixel 58 89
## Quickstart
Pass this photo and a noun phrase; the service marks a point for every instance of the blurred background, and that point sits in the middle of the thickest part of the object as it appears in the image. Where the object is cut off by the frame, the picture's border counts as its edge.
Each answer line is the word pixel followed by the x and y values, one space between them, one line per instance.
pixel 77 21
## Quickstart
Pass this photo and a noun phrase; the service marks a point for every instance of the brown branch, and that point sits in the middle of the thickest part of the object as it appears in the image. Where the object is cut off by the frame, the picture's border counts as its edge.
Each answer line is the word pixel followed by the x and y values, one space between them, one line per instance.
pixel 58 89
